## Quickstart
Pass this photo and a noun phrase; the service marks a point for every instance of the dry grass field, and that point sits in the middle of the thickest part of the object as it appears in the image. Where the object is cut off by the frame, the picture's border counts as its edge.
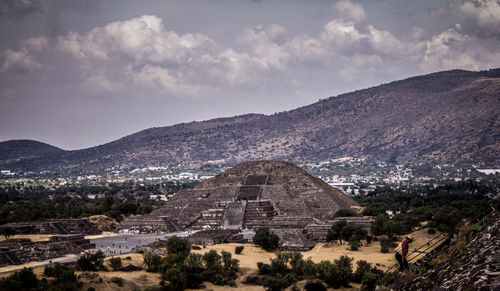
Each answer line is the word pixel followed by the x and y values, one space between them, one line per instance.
pixel 249 258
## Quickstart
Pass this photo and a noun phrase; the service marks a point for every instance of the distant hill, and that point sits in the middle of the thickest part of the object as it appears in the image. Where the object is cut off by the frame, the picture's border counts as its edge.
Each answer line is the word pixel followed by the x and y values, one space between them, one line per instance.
pixel 448 117
pixel 16 150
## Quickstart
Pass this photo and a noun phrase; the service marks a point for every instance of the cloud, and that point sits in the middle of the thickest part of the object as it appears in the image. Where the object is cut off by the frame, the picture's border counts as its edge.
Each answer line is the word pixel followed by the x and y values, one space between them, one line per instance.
pixel 480 18
pixel 452 49
pixel 350 11
pixel 19 62
pixel 142 56
pixel 18 9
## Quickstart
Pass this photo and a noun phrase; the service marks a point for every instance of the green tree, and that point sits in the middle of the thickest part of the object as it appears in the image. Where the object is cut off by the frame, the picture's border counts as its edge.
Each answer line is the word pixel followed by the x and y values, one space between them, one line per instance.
pixel 266 239
pixel 345 212
pixel 334 232
pixel 152 261
pixel 178 246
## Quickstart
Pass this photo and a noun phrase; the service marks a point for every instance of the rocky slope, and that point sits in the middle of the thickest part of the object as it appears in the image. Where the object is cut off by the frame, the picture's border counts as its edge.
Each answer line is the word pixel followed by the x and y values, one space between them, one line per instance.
pixel 448 117
pixel 471 262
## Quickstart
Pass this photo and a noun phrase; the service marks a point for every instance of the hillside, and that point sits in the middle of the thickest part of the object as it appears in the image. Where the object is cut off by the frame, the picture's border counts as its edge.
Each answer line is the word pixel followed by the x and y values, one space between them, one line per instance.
pixel 449 117
pixel 13 150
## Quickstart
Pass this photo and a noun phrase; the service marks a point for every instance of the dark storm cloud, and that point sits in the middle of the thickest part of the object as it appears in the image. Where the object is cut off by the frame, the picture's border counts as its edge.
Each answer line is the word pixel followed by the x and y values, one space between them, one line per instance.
pixel 18 9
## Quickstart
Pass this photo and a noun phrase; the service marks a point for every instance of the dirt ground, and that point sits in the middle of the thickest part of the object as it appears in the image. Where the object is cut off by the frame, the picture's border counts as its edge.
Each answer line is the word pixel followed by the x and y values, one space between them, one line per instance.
pixel 32 237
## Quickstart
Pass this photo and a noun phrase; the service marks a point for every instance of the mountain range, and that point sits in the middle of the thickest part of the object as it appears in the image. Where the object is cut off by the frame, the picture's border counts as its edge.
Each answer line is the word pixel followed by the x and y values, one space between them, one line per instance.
pixel 449 117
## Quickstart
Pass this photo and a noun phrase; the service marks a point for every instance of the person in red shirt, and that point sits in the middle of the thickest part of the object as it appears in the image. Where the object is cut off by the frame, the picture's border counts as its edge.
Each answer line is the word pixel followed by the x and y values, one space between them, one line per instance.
pixel 401 252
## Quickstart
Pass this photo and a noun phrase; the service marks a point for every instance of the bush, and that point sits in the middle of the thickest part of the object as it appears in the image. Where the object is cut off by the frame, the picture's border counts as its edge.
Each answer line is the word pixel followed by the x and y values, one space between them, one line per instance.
pixel 431 230
pixel 329 273
pixel 314 286
pixel 385 244
pixel 22 280
pixel 91 261
pixel 238 249
pixel 369 281
pixel 177 279
pixel 264 269
pixel 266 239
pixel 275 283
pixel 354 243
pixel 345 212
pixel 362 267
pixel 152 262
pixel 117 280
pixel 115 263
pixel 344 264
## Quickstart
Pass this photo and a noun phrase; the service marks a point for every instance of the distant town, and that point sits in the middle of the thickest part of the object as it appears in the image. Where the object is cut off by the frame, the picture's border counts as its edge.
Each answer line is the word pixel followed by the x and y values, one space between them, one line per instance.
pixel 354 176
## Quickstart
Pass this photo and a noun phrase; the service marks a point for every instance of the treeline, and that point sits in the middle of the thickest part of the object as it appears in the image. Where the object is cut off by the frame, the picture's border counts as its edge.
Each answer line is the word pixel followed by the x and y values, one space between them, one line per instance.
pixel 443 207
pixel 39 203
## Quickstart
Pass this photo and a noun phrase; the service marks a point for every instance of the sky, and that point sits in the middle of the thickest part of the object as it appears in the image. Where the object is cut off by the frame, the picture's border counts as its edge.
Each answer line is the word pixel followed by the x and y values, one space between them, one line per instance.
pixel 79 73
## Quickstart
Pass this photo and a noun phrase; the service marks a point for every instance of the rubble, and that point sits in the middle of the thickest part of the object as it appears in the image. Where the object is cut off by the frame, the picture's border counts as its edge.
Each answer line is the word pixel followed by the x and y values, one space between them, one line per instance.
pixel 22 250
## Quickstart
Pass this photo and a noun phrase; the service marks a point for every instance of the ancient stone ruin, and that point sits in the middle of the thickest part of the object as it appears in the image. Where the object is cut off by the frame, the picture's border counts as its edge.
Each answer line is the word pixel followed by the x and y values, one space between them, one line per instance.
pixel 274 194
pixel 22 250
pixel 55 226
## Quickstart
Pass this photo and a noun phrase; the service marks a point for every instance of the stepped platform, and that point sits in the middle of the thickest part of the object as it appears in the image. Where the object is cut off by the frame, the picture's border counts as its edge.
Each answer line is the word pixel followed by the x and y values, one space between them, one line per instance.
pixel 56 226
pixel 273 194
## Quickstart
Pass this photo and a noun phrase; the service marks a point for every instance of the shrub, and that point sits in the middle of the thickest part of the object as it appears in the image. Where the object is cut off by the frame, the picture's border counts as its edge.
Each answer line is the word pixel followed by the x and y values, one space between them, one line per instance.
pixel 369 239
pixel 91 261
pixel 329 273
pixel 314 286
pixel 264 269
pixel 117 280
pixel 128 258
pixel 362 267
pixel 177 279
pixel 354 243
pixel 431 230
pixel 152 262
pixel 238 249
pixel 56 270
pixel 385 244
pixel 22 280
pixel 275 283
pixel 344 264
pixel 345 212
pixel 266 239
pixel 369 280
pixel 115 263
